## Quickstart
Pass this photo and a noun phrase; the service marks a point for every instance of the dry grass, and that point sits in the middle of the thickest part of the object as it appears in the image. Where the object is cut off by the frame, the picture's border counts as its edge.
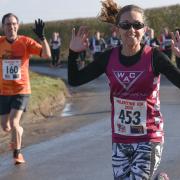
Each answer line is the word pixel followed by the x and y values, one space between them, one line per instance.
pixel 45 89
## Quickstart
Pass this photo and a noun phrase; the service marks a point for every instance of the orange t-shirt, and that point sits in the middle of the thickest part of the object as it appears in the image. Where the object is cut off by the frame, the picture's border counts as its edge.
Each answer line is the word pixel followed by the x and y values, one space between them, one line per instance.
pixel 14 64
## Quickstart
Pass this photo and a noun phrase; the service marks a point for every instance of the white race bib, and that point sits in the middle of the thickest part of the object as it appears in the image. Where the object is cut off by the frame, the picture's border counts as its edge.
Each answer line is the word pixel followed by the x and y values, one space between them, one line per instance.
pixel 11 69
pixel 130 117
pixel 97 48
pixel 114 43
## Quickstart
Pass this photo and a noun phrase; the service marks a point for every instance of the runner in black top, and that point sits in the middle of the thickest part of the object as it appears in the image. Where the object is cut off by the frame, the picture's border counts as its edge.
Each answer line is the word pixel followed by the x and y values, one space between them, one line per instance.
pixel 137 132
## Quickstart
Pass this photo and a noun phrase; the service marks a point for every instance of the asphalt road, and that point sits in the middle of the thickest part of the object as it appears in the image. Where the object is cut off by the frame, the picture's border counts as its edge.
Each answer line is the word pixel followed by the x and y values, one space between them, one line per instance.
pixel 85 154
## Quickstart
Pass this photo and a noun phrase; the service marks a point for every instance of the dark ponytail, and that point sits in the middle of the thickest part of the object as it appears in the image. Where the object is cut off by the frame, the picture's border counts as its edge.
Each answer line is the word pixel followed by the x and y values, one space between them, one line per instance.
pixel 109 11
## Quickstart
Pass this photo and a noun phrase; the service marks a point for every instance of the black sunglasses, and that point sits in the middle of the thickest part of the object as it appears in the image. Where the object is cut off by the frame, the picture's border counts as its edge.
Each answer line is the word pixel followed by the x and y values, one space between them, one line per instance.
pixel 127 25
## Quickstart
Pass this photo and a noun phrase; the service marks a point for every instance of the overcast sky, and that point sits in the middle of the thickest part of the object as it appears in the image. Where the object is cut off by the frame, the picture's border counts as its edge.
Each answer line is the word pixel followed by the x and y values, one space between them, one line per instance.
pixel 48 10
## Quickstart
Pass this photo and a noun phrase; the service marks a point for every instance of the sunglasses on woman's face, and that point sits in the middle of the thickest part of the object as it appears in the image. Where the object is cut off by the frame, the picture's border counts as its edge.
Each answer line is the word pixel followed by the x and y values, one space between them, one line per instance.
pixel 127 25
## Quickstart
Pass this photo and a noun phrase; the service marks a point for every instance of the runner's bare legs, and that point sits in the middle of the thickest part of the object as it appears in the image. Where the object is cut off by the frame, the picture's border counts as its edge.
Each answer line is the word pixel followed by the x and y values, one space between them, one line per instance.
pixel 5 123
pixel 10 123
pixel 17 130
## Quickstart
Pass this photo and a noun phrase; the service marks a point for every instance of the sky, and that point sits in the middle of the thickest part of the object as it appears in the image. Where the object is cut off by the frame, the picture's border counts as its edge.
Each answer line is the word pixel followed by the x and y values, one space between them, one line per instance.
pixel 52 10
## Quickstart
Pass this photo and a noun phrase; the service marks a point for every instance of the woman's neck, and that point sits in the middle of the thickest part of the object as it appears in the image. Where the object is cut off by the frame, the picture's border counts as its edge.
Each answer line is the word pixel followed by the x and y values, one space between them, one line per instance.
pixel 130 50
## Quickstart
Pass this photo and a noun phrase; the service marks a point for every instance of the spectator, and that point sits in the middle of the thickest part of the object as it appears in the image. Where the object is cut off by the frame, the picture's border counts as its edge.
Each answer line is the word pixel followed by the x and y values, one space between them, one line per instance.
pixel 97 45
pixel 150 39
pixel 177 58
pixel 165 42
pixel 55 44
pixel 114 40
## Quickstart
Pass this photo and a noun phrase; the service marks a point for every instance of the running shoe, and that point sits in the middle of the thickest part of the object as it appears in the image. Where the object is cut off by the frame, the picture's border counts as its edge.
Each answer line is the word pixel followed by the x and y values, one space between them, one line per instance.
pixel 162 176
pixel 19 159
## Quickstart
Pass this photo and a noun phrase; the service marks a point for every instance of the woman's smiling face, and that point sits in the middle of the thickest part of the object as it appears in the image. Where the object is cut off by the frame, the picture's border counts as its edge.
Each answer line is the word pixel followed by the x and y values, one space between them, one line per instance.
pixel 131 36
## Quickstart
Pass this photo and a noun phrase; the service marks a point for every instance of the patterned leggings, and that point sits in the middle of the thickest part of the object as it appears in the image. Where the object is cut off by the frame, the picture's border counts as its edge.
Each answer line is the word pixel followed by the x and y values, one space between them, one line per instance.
pixel 137 161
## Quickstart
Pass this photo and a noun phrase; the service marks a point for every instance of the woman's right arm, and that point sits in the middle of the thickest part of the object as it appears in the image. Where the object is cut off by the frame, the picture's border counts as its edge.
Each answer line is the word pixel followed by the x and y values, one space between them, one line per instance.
pixel 91 71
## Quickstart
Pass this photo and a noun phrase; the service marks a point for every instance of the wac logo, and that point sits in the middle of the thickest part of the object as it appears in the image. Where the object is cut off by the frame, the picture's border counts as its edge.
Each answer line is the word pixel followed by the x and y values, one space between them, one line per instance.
pixel 127 78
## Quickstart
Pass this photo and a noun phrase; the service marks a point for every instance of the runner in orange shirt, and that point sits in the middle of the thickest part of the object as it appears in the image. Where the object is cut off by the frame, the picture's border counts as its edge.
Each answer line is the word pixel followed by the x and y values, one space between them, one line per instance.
pixel 15 51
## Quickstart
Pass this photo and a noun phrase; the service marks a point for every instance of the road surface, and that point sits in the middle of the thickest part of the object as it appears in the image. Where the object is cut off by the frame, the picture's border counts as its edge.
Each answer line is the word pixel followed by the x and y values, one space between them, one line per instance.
pixel 85 154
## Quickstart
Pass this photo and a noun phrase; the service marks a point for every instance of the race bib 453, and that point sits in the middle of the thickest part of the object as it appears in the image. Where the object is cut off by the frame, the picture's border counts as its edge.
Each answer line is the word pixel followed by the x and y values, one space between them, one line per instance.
pixel 130 117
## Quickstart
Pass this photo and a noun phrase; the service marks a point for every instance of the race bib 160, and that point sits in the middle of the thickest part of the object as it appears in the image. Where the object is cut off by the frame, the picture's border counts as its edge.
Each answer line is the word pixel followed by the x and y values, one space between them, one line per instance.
pixel 11 69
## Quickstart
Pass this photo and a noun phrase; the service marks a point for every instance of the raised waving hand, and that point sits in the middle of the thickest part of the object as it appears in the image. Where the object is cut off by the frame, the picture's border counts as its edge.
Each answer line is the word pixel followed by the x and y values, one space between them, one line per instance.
pixel 79 41
pixel 39 29
pixel 175 45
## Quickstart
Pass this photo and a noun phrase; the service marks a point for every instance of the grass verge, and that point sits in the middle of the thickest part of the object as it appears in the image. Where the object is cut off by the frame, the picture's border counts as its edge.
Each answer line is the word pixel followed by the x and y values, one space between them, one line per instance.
pixel 47 93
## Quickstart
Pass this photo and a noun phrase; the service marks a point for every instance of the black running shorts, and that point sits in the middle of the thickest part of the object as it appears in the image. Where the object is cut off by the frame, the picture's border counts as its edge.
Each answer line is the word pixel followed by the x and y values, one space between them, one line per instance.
pixel 18 102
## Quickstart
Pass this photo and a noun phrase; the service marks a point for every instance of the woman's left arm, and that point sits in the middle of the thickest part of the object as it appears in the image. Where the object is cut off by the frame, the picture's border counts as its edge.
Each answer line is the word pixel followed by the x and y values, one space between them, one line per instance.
pixel 163 65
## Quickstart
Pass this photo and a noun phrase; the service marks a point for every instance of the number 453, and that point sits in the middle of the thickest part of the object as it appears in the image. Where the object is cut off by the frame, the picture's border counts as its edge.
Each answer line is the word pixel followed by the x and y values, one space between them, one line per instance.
pixel 130 117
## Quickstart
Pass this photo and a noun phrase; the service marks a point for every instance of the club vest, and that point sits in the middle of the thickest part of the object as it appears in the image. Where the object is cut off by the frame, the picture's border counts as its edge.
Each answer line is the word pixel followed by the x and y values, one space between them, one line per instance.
pixel 134 94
